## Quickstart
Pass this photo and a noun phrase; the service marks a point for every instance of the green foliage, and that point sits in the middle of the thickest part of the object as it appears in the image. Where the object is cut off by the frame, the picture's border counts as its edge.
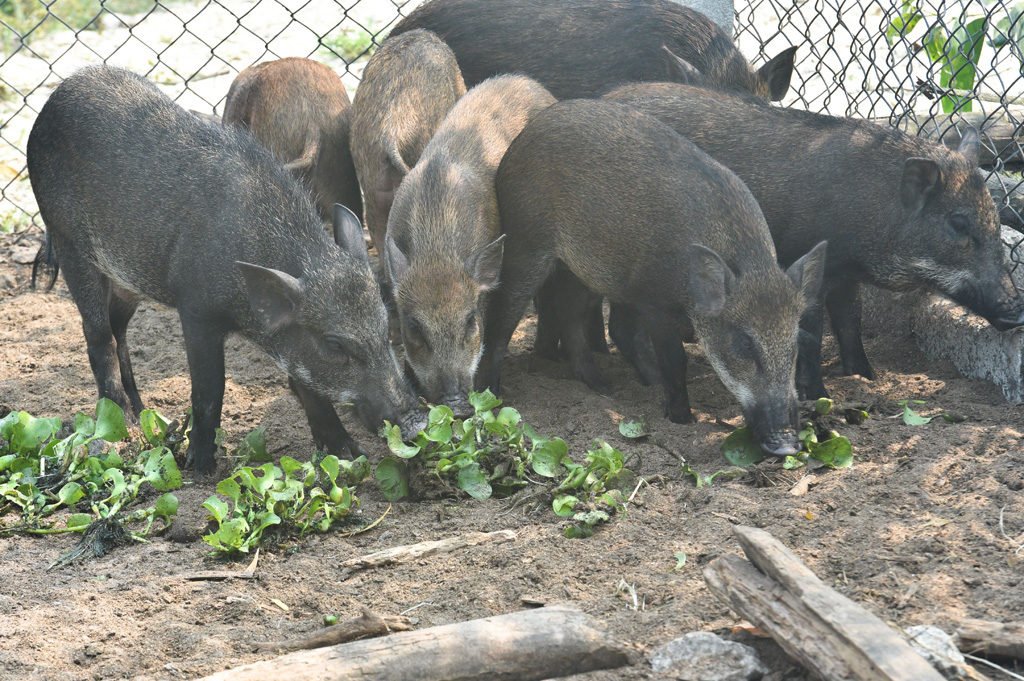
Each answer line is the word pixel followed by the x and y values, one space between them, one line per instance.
pixel 492 454
pixel 701 480
pixel 30 18
pixel 912 418
pixel 352 44
pixel 296 497
pixel 817 441
pixel 486 454
pixel 41 473
pixel 956 51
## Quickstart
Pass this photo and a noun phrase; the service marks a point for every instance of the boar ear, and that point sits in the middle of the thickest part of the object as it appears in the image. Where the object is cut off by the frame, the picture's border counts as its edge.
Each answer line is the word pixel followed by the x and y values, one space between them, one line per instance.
pixel 273 295
pixel 922 178
pixel 348 233
pixel 484 265
pixel 711 280
pixel 970 146
pixel 680 70
pixel 778 72
pixel 397 263
pixel 807 273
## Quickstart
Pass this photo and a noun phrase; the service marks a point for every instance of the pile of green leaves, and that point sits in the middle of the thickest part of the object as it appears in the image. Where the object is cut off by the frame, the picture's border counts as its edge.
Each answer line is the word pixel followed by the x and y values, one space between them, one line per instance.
pixel 818 440
pixel 490 454
pixel 912 418
pixel 41 473
pixel 293 497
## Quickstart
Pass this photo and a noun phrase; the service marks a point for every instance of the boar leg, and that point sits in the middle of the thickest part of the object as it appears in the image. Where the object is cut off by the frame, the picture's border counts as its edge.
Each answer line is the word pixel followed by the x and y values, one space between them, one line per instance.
pixel 545 343
pixel 90 290
pixel 122 307
pixel 329 434
pixel 810 385
pixel 627 331
pixel 204 347
pixel 575 309
pixel 522 275
pixel 668 348
pixel 843 304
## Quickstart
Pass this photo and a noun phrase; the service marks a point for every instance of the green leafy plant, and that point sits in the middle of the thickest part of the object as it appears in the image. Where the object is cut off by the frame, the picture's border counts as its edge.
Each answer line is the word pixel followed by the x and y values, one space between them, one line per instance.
pixel 817 439
pixel 912 418
pixel 955 50
pixel 490 454
pixel 41 473
pixel 293 497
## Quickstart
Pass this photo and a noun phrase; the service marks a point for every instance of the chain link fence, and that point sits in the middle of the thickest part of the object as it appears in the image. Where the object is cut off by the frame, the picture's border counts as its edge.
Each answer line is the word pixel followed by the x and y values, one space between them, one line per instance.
pixel 927 67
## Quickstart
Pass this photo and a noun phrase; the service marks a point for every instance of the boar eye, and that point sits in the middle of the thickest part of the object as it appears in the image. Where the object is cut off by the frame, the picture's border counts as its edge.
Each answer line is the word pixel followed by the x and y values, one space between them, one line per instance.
pixel 413 333
pixel 470 322
pixel 960 223
pixel 340 345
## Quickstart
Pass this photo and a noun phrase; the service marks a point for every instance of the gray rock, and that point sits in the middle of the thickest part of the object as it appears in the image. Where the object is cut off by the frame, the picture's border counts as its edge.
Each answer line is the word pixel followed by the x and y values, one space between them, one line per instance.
pixel 24 255
pixel 703 656
pixel 938 648
pixel 8 281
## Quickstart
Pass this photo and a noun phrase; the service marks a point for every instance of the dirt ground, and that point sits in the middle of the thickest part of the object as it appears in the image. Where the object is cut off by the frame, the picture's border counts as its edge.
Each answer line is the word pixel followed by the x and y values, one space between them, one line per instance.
pixel 911 531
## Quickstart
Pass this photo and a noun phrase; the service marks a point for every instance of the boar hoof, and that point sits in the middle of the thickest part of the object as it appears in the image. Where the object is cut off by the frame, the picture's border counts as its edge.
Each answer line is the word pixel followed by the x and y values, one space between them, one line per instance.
pixel 202 463
pixel 680 415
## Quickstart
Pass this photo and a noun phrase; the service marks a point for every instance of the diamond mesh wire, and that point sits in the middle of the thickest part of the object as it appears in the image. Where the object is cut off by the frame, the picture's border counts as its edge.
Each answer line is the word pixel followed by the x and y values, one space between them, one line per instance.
pixel 929 68
pixel 923 66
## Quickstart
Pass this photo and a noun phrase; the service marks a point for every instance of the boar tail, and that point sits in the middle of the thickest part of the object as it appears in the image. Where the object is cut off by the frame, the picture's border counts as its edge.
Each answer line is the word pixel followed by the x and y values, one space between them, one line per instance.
pixel 46 256
pixel 394 155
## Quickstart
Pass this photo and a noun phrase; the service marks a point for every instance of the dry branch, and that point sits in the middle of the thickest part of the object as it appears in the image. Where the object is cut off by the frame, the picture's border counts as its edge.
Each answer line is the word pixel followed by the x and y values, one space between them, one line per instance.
pixel 522 646
pixel 366 625
pixel 992 638
pixel 403 554
pixel 828 633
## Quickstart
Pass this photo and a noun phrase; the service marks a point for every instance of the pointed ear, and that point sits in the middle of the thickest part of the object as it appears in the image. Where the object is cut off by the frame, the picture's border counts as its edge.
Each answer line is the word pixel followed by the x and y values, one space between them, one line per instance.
pixel 680 70
pixel 348 233
pixel 807 273
pixel 273 295
pixel 970 146
pixel 711 281
pixel 484 265
pixel 922 179
pixel 396 262
pixel 777 73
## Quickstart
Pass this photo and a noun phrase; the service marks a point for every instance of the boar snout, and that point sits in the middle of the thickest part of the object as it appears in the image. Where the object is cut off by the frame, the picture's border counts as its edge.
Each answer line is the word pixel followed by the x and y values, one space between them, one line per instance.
pixel 780 444
pixel 412 423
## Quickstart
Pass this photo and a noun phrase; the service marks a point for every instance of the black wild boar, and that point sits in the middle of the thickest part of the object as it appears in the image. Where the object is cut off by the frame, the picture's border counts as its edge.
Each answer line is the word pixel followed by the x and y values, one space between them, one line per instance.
pixel 443 245
pixel 583 173
pixel 899 212
pixel 582 48
pixel 298 108
pixel 143 200
pixel 408 87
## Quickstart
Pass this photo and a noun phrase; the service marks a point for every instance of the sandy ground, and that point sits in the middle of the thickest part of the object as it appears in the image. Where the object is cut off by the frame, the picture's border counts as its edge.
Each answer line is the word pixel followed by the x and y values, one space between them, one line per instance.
pixel 911 531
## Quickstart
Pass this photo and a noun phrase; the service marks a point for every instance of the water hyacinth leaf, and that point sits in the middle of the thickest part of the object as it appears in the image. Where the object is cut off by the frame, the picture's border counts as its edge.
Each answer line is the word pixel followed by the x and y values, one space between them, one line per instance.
pixel 633 429
pixel 508 417
pixel 835 452
pixel 229 488
pixel 579 532
pixel 484 401
pixel 254 447
pixel 393 478
pixel 954 418
pixel 697 477
pixel 439 424
pixel 230 536
pixel 110 421
pixel 546 458
pixel 823 406
pixel 331 466
pixel 473 481
pixel 912 418
pixel 6 461
pixel 355 471
pixel 32 433
pixel 161 470
pixel 740 449
pixel 792 462
pixel 153 425
pixel 398 447
pixel 855 417
pixel 9 422
pixel 70 493
pixel 115 477
pixel 166 506
pixel 78 521
pixel 290 465
pixel 680 561
pixel 563 504
pixel 85 425
pixel 217 508
pixel 265 482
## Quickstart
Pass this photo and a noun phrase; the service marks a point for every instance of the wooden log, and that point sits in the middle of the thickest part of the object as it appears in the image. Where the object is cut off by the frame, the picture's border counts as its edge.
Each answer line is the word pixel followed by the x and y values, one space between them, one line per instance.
pixel 1008 194
pixel 367 624
pixel 992 638
pixel 826 632
pixel 403 554
pixel 527 645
